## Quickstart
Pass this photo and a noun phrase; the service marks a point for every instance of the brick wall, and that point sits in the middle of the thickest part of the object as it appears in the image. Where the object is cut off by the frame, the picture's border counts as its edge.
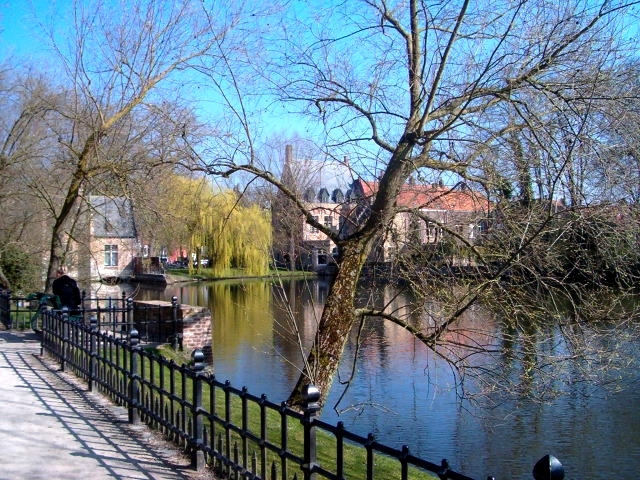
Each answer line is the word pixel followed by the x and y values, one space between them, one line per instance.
pixel 193 326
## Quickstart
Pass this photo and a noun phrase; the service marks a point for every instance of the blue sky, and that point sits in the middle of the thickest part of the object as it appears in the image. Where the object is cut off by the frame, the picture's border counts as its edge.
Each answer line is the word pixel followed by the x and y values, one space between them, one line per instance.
pixel 23 32
pixel 20 32
pixel 24 25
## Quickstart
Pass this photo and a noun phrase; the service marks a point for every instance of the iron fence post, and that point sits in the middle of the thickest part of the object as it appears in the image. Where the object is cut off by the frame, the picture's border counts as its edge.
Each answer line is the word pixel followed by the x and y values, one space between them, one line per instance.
pixel 5 308
pixel 113 318
pixel 134 376
pixel 174 305
pixel 197 458
pixel 42 307
pixel 44 333
pixel 93 350
pixel 83 307
pixel 130 325
pixel 65 337
pixel 311 398
pixel 125 305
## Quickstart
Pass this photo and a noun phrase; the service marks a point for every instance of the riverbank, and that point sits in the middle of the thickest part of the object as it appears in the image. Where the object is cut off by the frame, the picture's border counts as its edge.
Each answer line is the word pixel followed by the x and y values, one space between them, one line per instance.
pixel 176 275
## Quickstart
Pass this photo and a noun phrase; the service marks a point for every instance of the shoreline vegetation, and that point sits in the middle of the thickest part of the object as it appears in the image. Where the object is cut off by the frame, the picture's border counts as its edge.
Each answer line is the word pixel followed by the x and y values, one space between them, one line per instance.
pixel 176 275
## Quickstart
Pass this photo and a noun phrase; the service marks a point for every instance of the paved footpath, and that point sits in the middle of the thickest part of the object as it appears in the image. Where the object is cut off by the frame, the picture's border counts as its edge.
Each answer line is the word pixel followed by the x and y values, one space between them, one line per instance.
pixel 52 427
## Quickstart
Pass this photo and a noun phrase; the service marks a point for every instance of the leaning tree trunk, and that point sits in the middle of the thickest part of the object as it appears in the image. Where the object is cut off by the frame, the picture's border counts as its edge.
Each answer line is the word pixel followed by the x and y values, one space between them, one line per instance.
pixel 338 315
pixel 336 322
pixel 59 238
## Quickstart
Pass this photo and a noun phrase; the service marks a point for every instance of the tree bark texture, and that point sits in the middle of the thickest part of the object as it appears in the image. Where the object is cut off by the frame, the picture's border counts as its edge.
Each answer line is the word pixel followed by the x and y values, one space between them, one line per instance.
pixel 338 317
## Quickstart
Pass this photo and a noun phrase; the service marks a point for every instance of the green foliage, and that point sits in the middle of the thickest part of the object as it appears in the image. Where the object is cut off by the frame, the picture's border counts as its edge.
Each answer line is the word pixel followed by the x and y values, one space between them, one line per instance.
pixel 20 268
pixel 219 227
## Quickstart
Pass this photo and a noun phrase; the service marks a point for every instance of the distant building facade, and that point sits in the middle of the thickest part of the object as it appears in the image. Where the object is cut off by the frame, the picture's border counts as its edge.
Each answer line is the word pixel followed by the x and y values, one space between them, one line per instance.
pixel 328 210
pixel 296 244
pixel 426 212
pixel 113 239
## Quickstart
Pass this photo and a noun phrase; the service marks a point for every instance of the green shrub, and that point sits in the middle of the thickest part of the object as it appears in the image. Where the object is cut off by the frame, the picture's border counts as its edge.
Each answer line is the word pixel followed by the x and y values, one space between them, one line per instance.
pixel 20 268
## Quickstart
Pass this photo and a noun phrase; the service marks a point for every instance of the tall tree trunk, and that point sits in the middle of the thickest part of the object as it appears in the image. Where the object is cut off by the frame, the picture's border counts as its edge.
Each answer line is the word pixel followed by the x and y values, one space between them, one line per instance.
pixel 4 282
pixel 59 244
pixel 338 317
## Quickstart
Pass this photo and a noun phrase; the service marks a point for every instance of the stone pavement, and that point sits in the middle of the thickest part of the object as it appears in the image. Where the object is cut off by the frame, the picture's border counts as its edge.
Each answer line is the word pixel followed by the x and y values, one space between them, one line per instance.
pixel 52 427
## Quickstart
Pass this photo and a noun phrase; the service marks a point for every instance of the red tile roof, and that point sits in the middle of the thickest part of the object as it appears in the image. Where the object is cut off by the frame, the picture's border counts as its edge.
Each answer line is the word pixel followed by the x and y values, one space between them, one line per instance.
pixel 434 197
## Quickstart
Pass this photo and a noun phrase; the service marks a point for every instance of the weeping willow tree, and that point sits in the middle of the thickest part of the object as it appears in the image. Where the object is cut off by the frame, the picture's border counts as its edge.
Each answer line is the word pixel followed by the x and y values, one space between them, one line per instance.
pixel 212 224
pixel 253 242
pixel 179 223
pixel 237 236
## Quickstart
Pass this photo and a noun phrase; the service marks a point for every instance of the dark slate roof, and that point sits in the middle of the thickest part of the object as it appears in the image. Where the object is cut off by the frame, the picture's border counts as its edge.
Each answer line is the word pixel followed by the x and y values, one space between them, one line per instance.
pixel 112 217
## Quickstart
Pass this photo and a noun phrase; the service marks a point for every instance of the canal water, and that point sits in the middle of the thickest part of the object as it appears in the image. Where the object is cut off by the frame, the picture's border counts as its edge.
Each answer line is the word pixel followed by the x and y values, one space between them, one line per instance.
pixel 405 395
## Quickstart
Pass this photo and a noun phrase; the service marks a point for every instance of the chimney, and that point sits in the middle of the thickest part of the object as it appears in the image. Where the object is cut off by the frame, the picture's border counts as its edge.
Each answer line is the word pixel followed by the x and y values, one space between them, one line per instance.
pixel 288 154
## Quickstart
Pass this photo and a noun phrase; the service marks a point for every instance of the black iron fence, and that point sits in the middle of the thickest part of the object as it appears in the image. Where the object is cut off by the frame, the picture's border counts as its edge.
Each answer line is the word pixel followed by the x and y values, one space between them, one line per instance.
pixel 115 315
pixel 238 434
pixel 22 312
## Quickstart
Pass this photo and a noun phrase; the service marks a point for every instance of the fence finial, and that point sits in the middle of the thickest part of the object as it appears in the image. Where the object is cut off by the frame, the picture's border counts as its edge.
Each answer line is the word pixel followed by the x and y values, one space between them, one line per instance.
pixel 311 397
pixel 134 337
pixel 548 468
pixel 198 360
pixel 443 473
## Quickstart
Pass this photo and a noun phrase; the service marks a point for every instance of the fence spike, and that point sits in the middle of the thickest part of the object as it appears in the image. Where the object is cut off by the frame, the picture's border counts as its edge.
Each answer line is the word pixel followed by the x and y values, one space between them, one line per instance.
pixel 548 468
pixel 444 469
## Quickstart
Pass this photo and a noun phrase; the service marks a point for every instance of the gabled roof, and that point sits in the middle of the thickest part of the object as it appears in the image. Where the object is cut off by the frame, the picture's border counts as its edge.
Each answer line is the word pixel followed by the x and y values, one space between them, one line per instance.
pixel 112 217
pixel 433 197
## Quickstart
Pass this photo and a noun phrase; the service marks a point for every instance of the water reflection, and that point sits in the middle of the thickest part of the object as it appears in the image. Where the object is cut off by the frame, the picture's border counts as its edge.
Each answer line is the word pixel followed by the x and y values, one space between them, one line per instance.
pixel 393 386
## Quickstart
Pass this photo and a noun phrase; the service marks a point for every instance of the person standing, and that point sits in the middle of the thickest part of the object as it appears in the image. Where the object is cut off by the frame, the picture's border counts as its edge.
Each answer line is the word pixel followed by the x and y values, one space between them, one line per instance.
pixel 66 288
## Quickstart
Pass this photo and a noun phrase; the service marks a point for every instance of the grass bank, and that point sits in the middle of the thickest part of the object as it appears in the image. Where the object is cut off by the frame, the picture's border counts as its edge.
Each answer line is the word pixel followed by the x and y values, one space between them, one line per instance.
pixel 269 425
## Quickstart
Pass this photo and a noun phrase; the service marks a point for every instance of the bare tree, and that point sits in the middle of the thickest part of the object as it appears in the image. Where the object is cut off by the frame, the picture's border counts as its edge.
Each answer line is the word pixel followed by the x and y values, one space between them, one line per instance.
pixel 116 65
pixel 29 104
pixel 499 96
pixel 301 172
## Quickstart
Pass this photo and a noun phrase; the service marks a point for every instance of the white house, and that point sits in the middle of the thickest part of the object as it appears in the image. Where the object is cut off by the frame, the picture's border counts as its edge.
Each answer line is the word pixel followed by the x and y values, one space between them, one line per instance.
pixel 113 239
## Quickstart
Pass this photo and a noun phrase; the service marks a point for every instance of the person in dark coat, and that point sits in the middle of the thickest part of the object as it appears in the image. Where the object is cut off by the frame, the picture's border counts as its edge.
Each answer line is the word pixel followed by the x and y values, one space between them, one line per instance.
pixel 66 289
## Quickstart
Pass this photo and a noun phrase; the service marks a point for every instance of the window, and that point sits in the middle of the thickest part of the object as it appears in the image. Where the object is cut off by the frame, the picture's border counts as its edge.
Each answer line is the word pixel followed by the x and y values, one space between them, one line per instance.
pixel 314 229
pixel 434 232
pixel 328 221
pixel 111 255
